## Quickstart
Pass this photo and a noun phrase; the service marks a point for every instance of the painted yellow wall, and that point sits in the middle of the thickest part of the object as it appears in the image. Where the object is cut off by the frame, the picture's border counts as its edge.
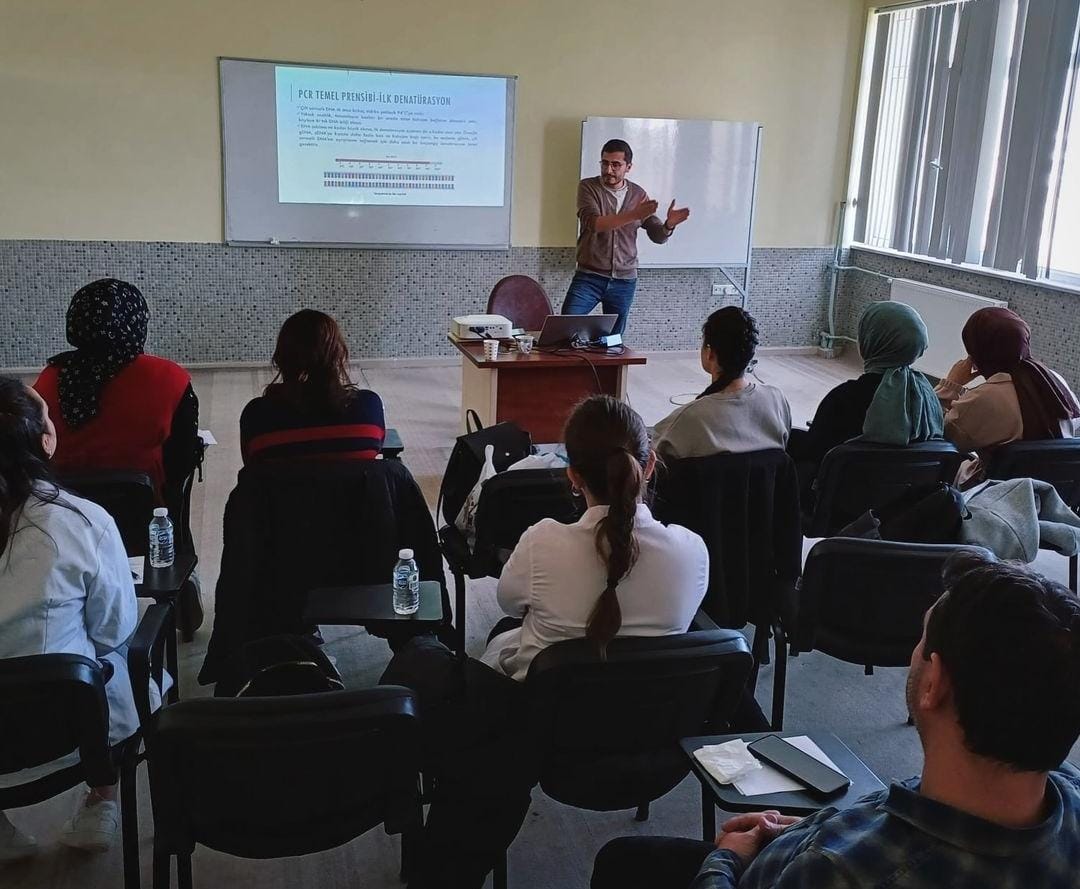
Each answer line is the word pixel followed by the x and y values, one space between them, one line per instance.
pixel 109 126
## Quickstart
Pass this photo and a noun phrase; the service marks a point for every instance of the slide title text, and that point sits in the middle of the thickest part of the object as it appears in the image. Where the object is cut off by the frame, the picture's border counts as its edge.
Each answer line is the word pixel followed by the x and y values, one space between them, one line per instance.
pixel 381 98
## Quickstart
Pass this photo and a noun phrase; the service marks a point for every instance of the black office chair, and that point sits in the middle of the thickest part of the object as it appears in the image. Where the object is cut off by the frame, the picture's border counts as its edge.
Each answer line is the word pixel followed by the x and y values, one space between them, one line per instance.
pixel 856 477
pixel 283 776
pixel 863 601
pixel 608 731
pixel 127 496
pixel 511 503
pixel 53 705
pixel 746 509
pixel 1056 461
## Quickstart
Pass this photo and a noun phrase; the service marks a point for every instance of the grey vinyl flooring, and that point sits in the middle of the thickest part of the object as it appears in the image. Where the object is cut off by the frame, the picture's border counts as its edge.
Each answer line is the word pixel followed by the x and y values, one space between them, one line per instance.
pixel 557 844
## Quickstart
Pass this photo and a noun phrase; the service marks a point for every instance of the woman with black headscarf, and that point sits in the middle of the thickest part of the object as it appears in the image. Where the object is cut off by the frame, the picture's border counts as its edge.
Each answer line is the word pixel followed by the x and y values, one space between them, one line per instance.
pixel 1021 398
pixel 114 406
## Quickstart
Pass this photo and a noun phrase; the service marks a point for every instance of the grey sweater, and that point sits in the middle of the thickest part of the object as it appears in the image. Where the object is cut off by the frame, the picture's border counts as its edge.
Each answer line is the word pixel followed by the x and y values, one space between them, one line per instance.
pixel 756 418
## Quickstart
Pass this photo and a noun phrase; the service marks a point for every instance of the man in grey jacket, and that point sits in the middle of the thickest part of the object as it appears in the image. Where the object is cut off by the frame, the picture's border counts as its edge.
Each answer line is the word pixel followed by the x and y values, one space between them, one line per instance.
pixel 610 211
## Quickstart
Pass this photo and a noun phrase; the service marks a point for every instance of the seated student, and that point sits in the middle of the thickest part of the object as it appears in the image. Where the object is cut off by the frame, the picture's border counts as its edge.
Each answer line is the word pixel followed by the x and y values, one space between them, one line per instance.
pixel 616 571
pixel 114 406
pixel 994 689
pixel 733 414
pixel 1021 398
pixel 891 403
pixel 616 547
pixel 311 409
pixel 65 587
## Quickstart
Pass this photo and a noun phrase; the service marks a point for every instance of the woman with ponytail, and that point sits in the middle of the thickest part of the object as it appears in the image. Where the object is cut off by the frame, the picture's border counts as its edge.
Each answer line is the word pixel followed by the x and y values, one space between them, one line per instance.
pixel 617 571
pixel 65 587
pixel 733 415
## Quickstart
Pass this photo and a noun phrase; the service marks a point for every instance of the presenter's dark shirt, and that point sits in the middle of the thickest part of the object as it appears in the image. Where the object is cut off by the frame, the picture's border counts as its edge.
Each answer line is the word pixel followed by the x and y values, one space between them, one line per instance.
pixel 272 428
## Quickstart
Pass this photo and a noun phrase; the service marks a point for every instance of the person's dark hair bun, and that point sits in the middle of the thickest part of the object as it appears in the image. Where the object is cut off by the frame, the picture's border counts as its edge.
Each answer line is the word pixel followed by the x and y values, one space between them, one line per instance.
pixel 732 334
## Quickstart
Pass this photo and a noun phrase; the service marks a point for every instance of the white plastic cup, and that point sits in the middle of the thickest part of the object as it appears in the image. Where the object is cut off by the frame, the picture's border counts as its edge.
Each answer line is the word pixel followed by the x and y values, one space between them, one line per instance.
pixel 525 343
pixel 491 350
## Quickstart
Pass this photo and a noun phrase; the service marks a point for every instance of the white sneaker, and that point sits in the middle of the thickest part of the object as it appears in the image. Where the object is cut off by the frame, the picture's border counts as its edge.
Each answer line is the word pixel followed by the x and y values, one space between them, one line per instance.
pixel 93 828
pixel 14 844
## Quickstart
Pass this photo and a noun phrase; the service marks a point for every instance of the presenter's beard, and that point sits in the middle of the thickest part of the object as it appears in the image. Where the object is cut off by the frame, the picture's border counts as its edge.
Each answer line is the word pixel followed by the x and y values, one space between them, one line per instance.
pixel 611 181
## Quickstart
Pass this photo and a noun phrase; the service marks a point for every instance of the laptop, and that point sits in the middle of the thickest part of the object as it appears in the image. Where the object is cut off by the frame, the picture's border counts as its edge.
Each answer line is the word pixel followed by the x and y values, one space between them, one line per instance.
pixel 561 330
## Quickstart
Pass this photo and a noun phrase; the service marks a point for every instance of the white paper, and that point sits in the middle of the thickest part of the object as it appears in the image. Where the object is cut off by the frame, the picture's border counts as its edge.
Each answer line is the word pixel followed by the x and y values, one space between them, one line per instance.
pixel 728 761
pixel 138 568
pixel 770 780
pixel 207 437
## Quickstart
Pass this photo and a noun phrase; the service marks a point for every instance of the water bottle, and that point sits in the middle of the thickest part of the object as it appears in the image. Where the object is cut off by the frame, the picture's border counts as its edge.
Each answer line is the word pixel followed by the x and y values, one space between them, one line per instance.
pixel 162 550
pixel 406 583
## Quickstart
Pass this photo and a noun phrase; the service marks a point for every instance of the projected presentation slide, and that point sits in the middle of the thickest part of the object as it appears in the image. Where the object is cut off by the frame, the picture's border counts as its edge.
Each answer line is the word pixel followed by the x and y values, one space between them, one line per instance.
pixel 391 139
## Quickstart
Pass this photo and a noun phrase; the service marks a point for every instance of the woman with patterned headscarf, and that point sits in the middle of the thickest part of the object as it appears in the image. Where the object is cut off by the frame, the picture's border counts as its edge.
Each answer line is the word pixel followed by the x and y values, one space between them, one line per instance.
pixel 1021 398
pixel 114 406
pixel 891 403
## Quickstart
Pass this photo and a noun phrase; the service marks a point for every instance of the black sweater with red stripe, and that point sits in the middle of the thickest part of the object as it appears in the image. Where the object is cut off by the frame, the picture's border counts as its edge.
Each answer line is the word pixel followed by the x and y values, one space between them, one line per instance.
pixel 271 428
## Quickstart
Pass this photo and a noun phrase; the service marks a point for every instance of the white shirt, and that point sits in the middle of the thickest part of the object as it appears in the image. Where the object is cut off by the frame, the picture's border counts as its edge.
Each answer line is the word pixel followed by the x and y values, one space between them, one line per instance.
pixel 619 194
pixel 555 576
pixel 66 587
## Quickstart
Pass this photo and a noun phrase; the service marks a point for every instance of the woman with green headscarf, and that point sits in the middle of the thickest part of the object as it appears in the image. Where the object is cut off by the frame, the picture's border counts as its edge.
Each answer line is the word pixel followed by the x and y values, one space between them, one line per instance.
pixel 891 403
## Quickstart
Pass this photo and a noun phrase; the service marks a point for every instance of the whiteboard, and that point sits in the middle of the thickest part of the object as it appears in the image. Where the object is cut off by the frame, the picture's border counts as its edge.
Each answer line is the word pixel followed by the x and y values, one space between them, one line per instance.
pixel 709 166
pixel 254 214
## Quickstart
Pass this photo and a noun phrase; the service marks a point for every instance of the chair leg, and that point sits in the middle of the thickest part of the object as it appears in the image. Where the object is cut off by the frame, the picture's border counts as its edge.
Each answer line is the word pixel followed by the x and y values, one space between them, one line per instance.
pixel 642 813
pixel 129 823
pixel 459 611
pixel 162 870
pixel 408 855
pixel 183 871
pixel 498 875
pixel 779 681
pixel 172 664
pixel 1074 561
pixel 708 815
pixel 760 645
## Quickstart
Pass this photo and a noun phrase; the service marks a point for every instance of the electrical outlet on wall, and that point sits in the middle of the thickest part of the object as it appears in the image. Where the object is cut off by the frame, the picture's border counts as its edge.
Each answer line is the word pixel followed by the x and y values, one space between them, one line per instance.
pixel 724 290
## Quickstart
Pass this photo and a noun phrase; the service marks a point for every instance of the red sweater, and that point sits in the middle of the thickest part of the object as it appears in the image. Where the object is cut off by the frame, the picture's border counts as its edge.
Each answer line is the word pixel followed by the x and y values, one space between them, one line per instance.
pixel 135 414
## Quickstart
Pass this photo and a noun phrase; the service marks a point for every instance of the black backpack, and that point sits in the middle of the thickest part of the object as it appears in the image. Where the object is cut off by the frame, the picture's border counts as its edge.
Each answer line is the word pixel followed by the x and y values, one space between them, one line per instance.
pixel 278 665
pixel 511 443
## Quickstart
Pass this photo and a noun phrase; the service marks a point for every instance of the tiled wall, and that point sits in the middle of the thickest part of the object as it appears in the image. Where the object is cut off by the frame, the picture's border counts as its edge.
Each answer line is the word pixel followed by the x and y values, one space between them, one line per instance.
pixel 210 302
pixel 1054 316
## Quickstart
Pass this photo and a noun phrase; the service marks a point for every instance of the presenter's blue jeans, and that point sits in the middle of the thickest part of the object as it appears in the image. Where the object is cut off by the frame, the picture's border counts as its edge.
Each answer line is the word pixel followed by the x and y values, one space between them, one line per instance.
pixel 587 289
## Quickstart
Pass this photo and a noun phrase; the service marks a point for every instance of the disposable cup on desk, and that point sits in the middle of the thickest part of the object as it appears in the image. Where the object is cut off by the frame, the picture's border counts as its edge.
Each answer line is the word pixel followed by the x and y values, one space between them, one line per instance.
pixel 491 350
pixel 525 343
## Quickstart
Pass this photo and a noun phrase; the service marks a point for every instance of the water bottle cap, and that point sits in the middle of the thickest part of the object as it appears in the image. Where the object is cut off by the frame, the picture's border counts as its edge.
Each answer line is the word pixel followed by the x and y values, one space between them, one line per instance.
pixel 160 512
pixel 405 554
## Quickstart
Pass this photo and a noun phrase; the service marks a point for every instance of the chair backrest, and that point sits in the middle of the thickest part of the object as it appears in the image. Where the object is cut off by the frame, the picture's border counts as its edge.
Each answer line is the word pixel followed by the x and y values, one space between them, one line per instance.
pixel 863 601
pixel 856 477
pixel 275 777
pixel 50 706
pixel 512 502
pixel 1056 461
pixel 607 731
pixel 746 509
pixel 127 496
pixel 522 300
pixel 291 527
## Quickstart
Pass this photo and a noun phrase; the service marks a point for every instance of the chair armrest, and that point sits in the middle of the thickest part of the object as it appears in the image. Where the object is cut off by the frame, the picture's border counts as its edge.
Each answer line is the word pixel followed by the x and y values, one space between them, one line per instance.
pixel 146 656
pixel 702 621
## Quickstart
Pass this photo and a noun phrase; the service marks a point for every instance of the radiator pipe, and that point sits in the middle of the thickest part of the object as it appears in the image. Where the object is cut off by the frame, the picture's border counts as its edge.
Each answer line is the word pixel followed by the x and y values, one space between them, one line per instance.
pixel 830 337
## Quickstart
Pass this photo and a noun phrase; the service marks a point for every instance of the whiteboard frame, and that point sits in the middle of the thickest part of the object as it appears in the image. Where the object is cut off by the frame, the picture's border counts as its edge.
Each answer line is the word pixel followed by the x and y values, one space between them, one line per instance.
pixel 746 263
pixel 508 183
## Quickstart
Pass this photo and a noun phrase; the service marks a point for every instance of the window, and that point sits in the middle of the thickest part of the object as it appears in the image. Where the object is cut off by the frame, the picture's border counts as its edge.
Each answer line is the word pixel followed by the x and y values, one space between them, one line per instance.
pixel 969 151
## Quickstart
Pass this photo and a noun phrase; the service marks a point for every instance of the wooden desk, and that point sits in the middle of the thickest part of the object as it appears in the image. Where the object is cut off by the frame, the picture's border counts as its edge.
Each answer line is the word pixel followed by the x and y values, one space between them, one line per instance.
pixel 537 391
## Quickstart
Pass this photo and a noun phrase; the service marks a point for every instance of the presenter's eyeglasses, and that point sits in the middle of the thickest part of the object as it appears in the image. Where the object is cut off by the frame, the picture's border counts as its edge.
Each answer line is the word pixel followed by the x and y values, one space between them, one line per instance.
pixel 612 165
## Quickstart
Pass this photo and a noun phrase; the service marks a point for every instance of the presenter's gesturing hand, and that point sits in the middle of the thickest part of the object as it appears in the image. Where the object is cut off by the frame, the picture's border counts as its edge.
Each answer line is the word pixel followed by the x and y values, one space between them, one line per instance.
pixel 645 209
pixel 676 216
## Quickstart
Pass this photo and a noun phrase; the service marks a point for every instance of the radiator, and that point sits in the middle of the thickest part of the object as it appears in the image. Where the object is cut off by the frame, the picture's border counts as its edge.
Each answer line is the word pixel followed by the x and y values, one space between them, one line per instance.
pixel 945 313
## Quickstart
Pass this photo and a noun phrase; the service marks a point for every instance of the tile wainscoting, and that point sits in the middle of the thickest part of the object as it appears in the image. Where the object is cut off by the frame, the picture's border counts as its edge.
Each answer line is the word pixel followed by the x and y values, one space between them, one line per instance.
pixel 1054 315
pixel 215 303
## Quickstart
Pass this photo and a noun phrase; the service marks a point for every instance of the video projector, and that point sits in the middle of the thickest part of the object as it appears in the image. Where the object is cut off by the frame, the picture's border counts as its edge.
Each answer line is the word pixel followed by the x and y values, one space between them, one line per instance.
pixel 481 327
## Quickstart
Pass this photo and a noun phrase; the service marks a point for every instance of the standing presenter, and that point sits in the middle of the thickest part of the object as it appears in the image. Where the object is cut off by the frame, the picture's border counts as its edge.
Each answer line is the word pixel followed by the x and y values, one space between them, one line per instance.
pixel 610 210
